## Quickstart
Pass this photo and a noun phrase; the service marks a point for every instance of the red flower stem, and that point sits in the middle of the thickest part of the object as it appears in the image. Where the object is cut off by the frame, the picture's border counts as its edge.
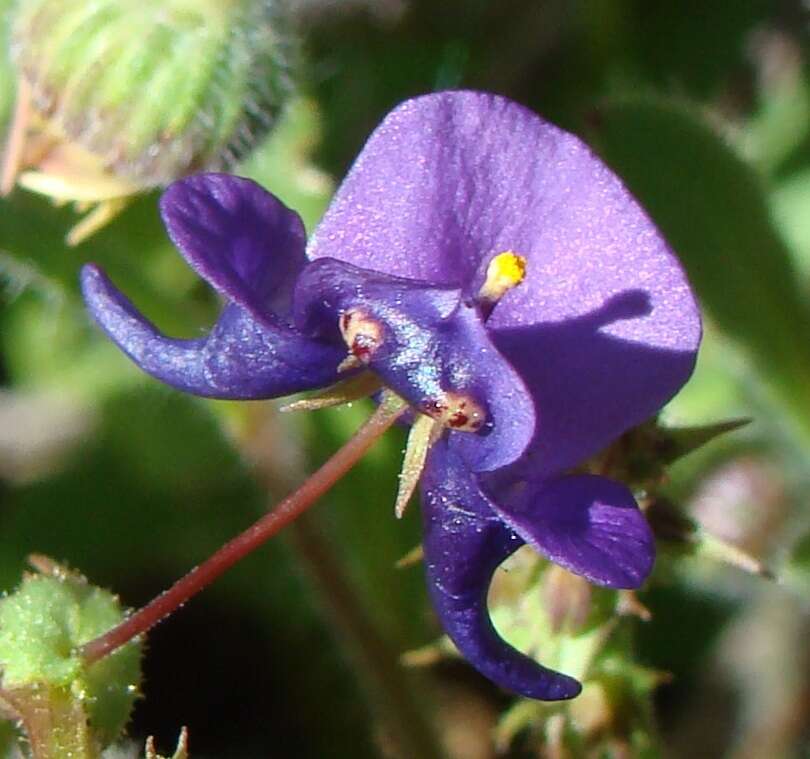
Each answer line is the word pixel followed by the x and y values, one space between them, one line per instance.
pixel 256 535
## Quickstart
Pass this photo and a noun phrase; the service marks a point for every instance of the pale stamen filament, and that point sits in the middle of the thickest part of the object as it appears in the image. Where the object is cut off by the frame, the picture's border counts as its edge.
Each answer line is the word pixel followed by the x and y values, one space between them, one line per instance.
pixel 423 433
pixel 352 389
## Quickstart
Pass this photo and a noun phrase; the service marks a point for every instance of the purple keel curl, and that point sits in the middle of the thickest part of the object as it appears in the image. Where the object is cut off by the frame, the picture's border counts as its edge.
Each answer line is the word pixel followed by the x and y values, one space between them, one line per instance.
pixel 239 359
pixel 590 525
pixel 429 341
pixel 464 542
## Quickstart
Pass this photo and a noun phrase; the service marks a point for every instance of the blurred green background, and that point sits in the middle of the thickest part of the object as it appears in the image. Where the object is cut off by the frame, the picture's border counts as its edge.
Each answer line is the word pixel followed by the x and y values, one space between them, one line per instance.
pixel 704 110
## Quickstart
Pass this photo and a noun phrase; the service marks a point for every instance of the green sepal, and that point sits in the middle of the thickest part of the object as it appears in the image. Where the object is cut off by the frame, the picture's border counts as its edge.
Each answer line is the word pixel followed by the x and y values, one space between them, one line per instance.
pixel 673 443
pixel 709 546
pixel 53 720
pixel 678 533
pixel 42 625
pixel 641 456
pixel 181 752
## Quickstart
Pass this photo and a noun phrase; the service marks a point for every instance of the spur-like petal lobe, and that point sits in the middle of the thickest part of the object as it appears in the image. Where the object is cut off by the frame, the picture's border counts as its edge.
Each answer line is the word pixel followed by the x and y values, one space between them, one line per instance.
pixel 239 238
pixel 241 358
pixel 449 180
pixel 464 542
pixel 590 525
pixel 431 343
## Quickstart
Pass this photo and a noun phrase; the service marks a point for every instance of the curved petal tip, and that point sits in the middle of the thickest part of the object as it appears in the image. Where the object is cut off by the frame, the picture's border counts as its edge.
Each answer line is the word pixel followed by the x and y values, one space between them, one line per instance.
pixel 240 358
pixel 464 542
pixel 176 362
pixel 468 625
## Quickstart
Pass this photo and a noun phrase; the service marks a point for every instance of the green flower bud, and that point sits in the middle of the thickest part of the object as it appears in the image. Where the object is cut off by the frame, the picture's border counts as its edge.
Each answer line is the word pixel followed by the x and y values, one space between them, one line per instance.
pixel 42 625
pixel 120 96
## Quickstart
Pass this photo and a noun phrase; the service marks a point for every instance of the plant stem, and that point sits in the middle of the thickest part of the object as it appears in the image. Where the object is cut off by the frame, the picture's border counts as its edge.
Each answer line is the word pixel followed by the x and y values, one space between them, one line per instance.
pixel 287 511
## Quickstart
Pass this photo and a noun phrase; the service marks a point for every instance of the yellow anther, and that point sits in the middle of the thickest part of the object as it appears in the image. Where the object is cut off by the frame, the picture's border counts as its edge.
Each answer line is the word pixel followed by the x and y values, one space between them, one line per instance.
pixel 505 271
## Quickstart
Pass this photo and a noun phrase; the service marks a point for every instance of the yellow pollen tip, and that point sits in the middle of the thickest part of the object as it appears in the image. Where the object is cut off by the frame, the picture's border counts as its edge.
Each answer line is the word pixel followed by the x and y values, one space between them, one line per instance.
pixel 505 271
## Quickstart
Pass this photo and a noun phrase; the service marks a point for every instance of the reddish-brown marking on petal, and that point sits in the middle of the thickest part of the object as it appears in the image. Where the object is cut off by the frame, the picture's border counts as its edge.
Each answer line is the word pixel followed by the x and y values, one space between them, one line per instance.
pixel 362 334
pixel 459 419
pixel 457 411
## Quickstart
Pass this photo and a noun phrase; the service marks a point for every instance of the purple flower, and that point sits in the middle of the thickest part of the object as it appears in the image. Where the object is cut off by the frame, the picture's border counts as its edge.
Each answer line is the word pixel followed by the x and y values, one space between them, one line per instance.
pixel 522 382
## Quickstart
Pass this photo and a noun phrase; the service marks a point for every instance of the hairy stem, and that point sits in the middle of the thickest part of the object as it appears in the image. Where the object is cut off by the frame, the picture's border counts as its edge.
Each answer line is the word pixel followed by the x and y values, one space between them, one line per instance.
pixel 252 538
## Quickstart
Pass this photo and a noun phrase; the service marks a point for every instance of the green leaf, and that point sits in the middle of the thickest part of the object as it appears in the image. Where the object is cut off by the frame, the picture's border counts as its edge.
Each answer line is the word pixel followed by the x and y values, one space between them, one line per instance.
pixel 789 203
pixel 778 127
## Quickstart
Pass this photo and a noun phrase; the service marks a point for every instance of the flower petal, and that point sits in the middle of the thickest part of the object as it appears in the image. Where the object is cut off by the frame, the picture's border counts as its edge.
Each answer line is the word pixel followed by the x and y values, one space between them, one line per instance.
pixel 238 237
pixel 588 384
pixel 240 358
pixel 464 542
pixel 590 525
pixel 430 344
pixel 603 329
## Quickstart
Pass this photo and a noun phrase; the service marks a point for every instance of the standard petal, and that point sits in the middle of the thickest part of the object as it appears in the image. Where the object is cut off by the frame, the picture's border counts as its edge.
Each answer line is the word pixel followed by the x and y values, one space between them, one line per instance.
pixel 238 237
pixel 590 525
pixel 431 346
pixel 241 358
pixel 464 542
pixel 449 180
